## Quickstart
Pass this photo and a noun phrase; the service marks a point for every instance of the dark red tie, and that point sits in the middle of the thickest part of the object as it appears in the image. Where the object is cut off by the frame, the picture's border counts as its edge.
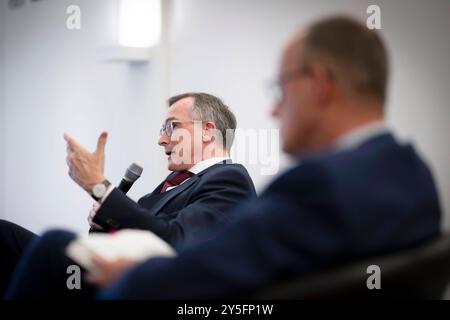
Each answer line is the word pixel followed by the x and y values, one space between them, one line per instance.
pixel 176 180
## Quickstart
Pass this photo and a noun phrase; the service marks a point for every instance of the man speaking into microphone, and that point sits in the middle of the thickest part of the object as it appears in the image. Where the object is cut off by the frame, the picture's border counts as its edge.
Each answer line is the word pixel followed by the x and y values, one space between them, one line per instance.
pixel 195 197
pixel 193 200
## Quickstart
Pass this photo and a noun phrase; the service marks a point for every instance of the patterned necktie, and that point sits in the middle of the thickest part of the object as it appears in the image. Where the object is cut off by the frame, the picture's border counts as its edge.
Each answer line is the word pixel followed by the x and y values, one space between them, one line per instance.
pixel 176 180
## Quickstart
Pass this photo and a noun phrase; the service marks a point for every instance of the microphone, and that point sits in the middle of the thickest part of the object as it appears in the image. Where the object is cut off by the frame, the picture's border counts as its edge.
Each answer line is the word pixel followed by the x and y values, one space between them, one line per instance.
pixel 133 173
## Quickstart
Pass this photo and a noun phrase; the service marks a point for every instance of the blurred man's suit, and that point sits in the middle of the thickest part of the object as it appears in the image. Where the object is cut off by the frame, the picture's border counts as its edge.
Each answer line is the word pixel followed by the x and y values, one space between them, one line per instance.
pixel 369 195
pixel 178 215
pixel 371 198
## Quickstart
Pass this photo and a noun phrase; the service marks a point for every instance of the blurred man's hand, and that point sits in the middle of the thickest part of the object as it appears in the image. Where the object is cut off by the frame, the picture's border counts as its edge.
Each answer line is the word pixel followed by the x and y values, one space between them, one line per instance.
pixel 86 168
pixel 108 272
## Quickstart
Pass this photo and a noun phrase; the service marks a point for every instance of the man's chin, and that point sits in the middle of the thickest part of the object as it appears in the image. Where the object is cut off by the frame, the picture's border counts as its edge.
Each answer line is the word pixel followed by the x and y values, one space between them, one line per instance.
pixel 171 166
pixel 177 167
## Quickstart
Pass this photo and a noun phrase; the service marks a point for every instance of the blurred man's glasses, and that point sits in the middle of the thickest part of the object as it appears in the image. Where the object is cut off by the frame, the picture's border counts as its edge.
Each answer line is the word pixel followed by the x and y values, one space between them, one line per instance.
pixel 171 125
pixel 275 88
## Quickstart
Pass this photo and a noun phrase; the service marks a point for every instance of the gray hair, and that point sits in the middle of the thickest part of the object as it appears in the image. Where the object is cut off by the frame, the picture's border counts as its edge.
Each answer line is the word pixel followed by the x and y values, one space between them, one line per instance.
pixel 211 108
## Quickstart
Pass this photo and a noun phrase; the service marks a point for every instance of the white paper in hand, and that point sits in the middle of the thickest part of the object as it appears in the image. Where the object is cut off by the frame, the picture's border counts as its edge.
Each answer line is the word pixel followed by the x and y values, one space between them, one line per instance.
pixel 137 245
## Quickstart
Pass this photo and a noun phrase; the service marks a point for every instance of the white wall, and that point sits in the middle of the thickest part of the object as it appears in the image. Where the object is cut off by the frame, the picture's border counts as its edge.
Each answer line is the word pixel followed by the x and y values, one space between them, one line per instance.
pixel 54 84
pixel 51 83
pixel 419 108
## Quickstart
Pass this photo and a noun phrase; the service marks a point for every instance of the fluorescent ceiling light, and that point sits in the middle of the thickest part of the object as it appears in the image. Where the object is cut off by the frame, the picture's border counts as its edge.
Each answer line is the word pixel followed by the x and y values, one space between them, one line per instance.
pixel 139 23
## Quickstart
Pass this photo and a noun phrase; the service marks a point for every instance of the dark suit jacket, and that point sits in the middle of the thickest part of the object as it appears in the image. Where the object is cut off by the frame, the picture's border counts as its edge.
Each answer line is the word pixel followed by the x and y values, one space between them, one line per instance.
pixel 330 209
pixel 185 212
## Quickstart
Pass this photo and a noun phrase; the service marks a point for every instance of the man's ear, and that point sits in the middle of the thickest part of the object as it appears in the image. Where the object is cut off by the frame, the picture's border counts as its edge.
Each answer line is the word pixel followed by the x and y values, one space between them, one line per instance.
pixel 324 85
pixel 209 131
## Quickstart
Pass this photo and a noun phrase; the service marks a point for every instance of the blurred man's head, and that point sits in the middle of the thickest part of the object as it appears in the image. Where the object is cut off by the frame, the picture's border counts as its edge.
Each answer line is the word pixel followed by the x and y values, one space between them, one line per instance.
pixel 333 78
pixel 198 126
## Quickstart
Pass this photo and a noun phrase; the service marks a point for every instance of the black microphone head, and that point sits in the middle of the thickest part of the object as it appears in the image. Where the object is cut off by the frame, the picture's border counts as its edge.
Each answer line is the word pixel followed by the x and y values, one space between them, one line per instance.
pixel 133 172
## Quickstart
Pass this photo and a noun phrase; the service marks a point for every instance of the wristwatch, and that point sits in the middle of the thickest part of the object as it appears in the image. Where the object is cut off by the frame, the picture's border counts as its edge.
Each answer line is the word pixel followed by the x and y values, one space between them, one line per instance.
pixel 98 191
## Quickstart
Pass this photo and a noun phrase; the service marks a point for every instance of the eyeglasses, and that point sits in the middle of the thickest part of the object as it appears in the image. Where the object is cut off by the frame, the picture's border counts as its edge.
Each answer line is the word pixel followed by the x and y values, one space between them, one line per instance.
pixel 275 88
pixel 170 125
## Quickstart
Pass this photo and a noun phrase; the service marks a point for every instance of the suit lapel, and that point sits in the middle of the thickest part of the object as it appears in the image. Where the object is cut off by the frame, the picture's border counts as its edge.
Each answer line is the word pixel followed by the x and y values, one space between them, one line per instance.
pixel 155 193
pixel 168 195
pixel 156 200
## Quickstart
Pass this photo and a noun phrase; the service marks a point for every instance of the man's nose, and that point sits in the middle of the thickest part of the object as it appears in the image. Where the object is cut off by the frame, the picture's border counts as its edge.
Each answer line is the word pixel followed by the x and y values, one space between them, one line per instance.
pixel 163 140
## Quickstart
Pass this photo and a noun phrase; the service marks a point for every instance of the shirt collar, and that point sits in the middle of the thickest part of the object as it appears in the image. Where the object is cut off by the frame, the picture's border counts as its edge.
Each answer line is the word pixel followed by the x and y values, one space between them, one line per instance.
pixel 357 136
pixel 205 164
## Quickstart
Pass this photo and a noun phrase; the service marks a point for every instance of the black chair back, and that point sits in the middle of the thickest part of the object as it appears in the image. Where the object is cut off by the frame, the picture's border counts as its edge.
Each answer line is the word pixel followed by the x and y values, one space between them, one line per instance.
pixel 419 273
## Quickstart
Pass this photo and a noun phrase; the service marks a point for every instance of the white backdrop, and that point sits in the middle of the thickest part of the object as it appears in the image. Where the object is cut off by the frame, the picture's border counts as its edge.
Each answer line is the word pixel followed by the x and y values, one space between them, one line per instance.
pixel 50 83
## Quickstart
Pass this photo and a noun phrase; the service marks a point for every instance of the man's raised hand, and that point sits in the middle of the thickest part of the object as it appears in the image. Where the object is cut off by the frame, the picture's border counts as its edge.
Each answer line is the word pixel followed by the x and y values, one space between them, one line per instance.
pixel 86 168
